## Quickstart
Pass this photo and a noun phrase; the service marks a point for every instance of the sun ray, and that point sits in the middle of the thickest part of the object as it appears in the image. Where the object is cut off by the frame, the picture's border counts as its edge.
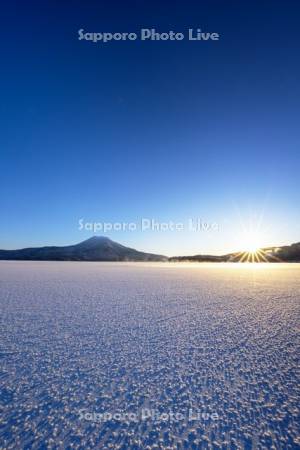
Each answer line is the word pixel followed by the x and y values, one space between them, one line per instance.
pixel 257 256
pixel 261 254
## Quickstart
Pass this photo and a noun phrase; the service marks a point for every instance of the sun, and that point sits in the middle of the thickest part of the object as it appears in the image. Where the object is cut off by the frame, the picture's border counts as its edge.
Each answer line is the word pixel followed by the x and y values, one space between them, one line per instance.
pixel 250 239
pixel 251 242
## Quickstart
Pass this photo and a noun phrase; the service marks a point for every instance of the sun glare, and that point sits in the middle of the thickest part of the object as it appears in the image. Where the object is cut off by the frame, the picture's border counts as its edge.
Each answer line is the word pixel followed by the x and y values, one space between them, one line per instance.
pixel 250 243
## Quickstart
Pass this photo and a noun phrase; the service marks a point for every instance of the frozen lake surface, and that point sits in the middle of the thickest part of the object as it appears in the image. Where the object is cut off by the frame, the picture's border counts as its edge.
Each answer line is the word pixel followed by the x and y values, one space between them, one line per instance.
pixel 145 356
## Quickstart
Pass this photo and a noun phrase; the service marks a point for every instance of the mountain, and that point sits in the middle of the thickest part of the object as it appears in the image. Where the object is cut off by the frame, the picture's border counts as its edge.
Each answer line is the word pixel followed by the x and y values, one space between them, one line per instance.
pixel 97 248
pixel 286 253
pixel 100 248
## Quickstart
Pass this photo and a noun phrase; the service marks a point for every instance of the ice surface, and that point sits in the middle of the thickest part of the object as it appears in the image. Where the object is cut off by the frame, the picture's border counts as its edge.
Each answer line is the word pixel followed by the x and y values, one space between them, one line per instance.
pixel 81 339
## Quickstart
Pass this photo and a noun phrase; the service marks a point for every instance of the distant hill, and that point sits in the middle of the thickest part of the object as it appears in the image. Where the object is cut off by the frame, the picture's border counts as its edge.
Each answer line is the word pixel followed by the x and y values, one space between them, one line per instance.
pixel 100 248
pixel 97 248
pixel 287 253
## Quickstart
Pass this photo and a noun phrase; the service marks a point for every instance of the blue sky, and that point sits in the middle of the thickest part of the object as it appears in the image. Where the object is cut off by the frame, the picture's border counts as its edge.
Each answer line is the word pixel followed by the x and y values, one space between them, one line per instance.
pixel 164 130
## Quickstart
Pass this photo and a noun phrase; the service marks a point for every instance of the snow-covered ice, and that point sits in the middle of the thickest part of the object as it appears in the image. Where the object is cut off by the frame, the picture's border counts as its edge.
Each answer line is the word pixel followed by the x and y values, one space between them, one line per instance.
pixel 82 339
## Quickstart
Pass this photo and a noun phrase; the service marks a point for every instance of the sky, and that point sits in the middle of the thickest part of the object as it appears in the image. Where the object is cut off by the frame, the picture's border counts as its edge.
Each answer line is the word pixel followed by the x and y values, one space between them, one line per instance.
pixel 173 131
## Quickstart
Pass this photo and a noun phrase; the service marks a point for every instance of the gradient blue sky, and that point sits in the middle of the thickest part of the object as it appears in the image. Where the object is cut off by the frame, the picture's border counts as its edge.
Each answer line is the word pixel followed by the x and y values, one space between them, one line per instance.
pixel 169 130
